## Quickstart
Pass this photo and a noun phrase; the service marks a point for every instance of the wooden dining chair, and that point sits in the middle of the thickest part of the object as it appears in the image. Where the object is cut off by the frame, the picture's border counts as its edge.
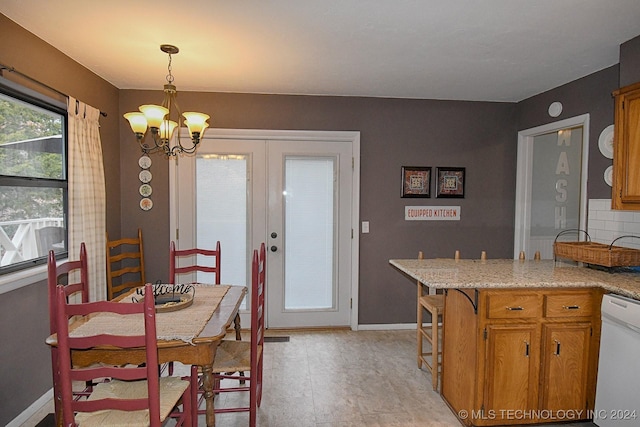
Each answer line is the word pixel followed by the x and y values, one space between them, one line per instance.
pixel 234 358
pixel 194 260
pixel 186 261
pixel 62 274
pixel 434 305
pixel 135 395
pixel 125 264
pixel 73 276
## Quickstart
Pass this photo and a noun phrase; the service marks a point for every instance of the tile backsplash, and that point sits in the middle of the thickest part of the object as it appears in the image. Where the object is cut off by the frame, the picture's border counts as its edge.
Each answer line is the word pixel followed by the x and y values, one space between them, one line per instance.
pixel 604 224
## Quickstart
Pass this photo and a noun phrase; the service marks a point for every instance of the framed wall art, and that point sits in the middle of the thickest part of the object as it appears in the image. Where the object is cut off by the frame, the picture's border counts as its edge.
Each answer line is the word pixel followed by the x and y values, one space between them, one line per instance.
pixel 416 181
pixel 450 182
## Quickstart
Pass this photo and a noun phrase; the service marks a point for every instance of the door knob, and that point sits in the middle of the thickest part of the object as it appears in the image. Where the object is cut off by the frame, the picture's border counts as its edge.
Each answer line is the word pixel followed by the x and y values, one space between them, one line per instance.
pixel 274 248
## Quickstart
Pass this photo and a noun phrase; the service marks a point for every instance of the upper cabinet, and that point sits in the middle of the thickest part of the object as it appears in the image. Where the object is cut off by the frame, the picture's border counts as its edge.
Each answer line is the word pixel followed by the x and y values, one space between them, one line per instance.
pixel 626 158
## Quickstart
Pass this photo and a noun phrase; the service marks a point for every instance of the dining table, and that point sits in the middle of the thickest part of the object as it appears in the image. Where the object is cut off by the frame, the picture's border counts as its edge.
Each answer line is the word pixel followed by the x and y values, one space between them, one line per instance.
pixel 190 335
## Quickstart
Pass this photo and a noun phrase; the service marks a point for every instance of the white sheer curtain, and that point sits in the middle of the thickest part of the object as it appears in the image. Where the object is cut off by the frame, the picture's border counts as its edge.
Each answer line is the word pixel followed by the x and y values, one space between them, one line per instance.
pixel 87 196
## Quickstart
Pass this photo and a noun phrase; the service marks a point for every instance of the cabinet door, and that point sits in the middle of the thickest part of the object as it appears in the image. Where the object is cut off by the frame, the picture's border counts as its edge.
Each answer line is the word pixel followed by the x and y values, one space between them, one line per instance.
pixel 511 369
pixel 565 359
pixel 626 180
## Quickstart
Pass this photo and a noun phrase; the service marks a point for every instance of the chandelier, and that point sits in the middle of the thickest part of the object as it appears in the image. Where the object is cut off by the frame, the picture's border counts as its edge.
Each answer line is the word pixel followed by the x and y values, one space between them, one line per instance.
pixel 159 119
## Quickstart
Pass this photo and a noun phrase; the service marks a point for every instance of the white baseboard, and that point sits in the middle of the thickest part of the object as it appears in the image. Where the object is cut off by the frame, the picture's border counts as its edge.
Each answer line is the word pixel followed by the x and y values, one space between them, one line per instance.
pixel 387 326
pixel 31 410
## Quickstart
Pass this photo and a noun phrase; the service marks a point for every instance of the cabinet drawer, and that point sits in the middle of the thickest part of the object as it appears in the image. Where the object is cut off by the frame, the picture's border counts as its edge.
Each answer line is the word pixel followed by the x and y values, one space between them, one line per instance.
pixel 514 306
pixel 569 305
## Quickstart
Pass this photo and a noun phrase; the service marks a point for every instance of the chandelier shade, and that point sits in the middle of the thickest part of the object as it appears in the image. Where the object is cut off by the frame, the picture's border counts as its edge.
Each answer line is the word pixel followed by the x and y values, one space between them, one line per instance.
pixel 137 121
pixel 196 122
pixel 166 129
pixel 162 122
pixel 154 114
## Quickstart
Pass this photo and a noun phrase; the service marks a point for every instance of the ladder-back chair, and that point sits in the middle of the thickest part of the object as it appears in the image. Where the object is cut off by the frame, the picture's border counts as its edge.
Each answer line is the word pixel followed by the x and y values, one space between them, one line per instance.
pixel 234 358
pixel 199 260
pixel 125 264
pixel 74 277
pixel 194 260
pixel 135 395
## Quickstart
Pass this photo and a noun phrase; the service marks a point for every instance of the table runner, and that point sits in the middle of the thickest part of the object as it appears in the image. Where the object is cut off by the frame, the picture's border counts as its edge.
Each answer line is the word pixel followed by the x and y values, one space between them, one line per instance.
pixel 184 325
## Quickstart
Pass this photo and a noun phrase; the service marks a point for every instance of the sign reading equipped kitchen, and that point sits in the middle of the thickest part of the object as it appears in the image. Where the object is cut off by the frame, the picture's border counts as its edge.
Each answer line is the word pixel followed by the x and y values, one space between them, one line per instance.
pixel 432 213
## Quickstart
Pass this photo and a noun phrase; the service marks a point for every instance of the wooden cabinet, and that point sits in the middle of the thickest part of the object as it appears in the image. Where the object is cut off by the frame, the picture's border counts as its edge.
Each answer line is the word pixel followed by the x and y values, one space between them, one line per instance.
pixel 565 361
pixel 521 356
pixel 625 193
pixel 511 368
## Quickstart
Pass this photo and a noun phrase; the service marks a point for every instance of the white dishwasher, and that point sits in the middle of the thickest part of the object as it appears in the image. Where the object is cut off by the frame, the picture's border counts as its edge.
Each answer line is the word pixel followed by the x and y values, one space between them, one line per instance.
pixel 618 387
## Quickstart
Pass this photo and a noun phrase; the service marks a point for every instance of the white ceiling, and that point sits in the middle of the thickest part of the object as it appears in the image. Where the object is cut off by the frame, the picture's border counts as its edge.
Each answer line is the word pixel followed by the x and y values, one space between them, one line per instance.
pixel 494 50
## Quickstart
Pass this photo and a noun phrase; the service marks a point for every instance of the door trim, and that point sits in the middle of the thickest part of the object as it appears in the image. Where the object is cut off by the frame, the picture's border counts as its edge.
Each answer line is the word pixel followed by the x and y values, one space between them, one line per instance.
pixel 523 176
pixel 267 134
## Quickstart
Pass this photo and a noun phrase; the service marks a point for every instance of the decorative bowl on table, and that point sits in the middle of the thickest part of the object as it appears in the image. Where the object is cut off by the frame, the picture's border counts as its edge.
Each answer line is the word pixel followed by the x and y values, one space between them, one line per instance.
pixel 169 297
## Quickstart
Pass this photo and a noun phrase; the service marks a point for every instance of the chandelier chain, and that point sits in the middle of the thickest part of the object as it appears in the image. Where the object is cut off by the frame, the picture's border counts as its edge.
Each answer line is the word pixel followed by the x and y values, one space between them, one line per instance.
pixel 169 76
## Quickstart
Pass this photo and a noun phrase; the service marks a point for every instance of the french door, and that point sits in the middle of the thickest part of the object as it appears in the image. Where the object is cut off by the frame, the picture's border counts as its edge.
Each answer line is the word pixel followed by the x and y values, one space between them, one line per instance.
pixel 292 190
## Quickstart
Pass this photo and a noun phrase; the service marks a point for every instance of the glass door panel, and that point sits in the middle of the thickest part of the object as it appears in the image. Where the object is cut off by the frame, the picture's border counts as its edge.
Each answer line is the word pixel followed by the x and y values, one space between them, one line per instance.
pixel 221 213
pixel 309 233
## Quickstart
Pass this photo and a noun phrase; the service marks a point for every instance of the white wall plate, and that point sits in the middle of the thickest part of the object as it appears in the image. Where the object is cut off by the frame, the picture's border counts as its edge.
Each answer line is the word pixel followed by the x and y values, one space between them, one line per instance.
pixel 605 142
pixel 608 176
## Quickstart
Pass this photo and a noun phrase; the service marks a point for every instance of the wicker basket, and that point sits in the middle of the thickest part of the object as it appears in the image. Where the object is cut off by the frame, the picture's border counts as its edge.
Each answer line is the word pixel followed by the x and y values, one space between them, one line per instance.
pixel 597 254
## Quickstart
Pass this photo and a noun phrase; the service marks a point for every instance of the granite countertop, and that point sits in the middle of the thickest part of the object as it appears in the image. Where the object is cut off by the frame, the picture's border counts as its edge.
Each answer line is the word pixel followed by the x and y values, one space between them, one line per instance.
pixel 447 273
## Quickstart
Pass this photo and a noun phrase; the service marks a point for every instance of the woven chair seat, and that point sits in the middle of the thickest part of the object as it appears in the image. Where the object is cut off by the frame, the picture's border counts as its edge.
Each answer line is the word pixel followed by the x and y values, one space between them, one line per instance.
pixel 433 301
pixel 171 389
pixel 233 356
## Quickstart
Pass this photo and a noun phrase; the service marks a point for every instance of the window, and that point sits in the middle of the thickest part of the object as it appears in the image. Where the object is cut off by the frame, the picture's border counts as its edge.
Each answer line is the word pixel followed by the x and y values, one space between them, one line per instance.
pixel 33 178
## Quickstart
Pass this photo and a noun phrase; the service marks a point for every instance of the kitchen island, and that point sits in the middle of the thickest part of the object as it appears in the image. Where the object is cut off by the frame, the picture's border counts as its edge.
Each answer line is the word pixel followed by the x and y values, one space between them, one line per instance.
pixel 444 273
pixel 520 338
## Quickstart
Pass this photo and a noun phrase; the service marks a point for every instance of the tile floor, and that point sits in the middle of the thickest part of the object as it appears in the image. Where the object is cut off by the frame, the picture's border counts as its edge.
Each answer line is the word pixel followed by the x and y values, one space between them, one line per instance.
pixel 340 379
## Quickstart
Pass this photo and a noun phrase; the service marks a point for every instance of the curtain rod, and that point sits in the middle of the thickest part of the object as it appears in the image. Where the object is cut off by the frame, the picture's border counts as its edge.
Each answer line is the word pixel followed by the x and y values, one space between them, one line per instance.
pixel 31 79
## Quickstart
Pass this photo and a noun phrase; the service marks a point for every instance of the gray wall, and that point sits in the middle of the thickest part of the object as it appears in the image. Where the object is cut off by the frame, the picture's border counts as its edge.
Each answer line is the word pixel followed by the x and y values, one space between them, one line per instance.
pixel 630 62
pixel 590 94
pixel 394 132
